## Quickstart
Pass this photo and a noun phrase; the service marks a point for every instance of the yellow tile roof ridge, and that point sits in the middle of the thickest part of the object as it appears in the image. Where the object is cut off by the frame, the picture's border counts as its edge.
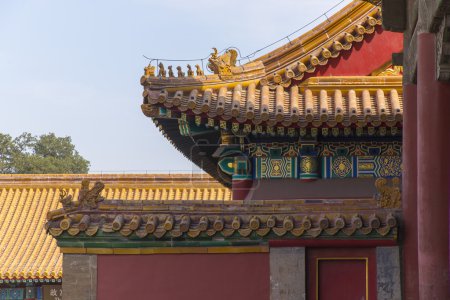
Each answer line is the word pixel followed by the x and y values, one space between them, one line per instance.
pixel 353 82
pixel 292 60
pixel 111 180
pixel 102 176
pixel 365 80
pixel 336 23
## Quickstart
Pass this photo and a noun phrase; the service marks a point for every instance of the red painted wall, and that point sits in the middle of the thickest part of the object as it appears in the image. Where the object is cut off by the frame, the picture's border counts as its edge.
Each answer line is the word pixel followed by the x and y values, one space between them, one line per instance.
pixel 335 275
pixel 364 57
pixel 342 273
pixel 183 276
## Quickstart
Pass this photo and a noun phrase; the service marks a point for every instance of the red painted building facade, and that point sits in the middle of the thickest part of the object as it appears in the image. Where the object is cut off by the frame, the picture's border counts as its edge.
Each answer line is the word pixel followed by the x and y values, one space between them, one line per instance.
pixel 309 139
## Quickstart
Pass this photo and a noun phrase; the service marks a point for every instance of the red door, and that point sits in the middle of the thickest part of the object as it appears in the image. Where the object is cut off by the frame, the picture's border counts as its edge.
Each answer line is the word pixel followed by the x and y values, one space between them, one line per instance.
pixel 341 274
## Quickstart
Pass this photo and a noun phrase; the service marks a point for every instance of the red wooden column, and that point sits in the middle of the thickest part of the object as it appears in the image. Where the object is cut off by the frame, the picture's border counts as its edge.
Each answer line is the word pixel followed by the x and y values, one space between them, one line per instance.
pixel 409 188
pixel 433 180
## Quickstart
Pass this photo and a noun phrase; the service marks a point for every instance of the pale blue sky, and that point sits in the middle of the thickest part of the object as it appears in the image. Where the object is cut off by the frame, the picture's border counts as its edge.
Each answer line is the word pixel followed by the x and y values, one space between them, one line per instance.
pixel 73 67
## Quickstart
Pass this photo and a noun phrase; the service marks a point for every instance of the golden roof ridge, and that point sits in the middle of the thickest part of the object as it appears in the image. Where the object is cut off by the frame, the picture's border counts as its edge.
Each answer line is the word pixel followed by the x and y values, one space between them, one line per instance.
pixel 57 180
pixel 335 25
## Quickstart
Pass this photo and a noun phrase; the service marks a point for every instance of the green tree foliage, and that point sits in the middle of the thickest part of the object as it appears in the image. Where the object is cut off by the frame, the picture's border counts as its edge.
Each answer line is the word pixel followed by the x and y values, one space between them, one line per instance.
pixel 28 154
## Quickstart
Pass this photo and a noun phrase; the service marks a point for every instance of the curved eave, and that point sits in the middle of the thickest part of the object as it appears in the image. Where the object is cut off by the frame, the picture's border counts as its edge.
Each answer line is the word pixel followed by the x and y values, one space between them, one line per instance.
pixel 318 102
pixel 346 20
pixel 233 221
pixel 294 60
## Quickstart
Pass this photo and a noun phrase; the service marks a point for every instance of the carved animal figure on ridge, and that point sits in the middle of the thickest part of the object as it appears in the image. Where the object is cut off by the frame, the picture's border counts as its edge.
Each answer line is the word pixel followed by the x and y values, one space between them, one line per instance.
pixel 162 71
pixel 190 72
pixel 90 197
pixel 65 199
pixel 180 72
pixel 170 71
pixel 199 70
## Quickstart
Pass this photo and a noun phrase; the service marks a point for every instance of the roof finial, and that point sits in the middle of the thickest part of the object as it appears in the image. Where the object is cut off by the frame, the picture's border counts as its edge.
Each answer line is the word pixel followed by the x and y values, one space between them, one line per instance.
pixel 149 71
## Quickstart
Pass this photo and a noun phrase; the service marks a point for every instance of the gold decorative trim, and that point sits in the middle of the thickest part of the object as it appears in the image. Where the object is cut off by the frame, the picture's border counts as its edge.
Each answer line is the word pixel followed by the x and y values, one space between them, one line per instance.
pixel 388 192
pixel 388 69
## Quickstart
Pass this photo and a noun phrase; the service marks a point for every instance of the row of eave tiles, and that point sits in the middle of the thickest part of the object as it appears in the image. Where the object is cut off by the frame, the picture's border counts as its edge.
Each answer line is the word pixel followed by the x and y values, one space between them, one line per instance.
pixel 26 251
pixel 279 105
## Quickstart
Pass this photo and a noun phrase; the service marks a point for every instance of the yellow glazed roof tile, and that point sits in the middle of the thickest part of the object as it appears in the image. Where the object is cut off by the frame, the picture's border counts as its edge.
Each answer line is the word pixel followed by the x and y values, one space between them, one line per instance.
pixel 322 101
pixel 27 252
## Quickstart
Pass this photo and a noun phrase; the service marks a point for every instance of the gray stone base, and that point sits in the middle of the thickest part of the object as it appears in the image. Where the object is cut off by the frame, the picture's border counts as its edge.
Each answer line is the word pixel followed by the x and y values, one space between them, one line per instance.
pixel 287 273
pixel 388 273
pixel 80 277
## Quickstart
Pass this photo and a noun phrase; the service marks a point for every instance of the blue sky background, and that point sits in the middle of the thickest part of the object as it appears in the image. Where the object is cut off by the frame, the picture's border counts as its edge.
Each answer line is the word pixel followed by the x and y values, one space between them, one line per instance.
pixel 73 67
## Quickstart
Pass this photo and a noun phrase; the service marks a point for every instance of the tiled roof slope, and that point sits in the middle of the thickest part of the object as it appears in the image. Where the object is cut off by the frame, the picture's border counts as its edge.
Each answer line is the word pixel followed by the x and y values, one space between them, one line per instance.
pixel 26 251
